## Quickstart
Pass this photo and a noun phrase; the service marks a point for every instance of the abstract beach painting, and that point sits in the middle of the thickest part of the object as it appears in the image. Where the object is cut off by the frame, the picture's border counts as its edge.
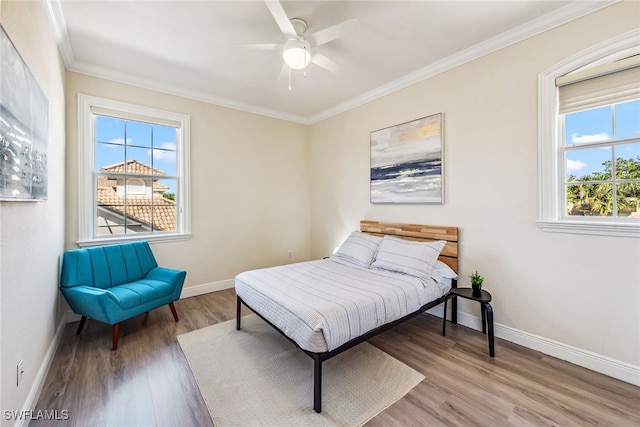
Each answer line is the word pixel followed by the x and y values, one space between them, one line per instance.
pixel 406 162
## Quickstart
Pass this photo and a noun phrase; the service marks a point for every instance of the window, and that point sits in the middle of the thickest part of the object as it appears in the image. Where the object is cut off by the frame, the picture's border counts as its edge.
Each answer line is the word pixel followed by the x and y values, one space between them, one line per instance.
pixel 601 151
pixel 589 138
pixel 133 180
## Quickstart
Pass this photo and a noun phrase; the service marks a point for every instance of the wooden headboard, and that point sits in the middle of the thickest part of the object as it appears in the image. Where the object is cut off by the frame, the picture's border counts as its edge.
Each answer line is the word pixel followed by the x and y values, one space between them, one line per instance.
pixel 428 233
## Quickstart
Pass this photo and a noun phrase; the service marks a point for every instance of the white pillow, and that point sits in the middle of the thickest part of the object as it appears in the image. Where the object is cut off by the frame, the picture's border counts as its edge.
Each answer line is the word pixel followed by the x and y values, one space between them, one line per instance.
pixel 408 257
pixel 442 271
pixel 359 249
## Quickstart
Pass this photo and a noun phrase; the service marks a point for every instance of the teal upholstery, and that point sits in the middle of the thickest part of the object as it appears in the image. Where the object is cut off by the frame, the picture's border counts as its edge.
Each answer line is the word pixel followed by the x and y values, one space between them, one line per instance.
pixel 116 282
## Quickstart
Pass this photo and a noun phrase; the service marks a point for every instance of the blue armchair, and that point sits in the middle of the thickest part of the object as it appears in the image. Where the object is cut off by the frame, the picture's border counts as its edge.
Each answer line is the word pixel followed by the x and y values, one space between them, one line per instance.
pixel 116 282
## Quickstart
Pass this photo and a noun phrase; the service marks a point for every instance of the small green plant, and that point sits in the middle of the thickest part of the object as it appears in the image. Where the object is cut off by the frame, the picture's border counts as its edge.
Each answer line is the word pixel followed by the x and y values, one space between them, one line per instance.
pixel 476 279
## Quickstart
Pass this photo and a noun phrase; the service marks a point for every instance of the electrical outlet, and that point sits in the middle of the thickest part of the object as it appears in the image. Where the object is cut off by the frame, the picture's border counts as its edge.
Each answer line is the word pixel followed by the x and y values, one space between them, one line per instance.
pixel 19 372
pixel 290 253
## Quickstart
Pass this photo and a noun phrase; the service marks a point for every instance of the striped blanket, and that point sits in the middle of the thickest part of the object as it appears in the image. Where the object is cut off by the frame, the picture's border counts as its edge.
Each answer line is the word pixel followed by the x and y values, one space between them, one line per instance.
pixel 323 304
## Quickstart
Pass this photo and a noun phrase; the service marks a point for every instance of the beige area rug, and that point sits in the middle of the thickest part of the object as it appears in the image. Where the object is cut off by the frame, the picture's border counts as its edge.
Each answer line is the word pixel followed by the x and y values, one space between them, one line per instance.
pixel 256 377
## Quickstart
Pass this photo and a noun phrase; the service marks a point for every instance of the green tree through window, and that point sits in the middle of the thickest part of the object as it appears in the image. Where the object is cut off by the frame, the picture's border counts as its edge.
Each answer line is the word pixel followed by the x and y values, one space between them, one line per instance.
pixel 602 162
pixel 592 194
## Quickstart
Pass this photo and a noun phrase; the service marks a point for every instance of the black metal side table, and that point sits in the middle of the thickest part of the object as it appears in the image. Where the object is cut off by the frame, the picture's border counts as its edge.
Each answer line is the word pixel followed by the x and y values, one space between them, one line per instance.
pixel 485 309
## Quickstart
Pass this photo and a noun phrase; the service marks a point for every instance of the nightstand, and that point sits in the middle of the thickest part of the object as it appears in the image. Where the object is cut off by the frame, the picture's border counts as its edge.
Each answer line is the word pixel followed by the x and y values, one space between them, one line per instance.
pixel 485 308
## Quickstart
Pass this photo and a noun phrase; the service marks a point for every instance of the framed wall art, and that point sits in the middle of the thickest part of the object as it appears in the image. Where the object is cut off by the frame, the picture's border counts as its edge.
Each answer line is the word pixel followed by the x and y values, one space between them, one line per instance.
pixel 406 162
pixel 24 128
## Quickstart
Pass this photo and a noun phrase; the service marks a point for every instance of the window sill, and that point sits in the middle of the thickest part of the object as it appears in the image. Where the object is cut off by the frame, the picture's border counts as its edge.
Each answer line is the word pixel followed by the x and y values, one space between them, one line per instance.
pixel 148 237
pixel 592 228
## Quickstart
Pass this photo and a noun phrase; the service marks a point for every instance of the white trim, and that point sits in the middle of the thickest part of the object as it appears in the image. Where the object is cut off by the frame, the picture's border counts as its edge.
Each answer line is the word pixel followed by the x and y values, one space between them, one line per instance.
pixel 59 27
pixel 591 228
pixel 192 291
pixel 72 317
pixel 622 371
pixel 437 310
pixel 196 95
pixel 544 23
pixel 587 359
pixel 549 171
pixel 38 383
pixel 155 238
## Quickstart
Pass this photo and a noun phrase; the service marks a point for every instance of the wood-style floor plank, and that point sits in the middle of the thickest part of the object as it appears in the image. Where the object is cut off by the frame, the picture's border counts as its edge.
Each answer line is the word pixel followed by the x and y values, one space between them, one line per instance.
pixel 148 382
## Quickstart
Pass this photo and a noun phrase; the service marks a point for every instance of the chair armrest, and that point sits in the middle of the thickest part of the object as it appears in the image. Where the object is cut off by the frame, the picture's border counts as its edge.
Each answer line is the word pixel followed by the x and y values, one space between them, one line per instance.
pixel 175 277
pixel 95 303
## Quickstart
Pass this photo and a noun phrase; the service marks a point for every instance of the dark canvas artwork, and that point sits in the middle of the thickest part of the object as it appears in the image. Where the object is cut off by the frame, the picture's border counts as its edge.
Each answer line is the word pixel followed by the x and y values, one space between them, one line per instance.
pixel 24 128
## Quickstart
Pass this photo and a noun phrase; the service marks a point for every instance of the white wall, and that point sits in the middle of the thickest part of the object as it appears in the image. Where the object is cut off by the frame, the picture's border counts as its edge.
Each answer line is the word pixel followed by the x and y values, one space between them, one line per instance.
pixel 249 177
pixel 580 291
pixel 32 233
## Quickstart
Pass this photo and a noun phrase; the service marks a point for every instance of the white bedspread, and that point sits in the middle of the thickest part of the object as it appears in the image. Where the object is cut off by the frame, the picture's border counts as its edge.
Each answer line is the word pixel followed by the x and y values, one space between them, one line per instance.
pixel 323 304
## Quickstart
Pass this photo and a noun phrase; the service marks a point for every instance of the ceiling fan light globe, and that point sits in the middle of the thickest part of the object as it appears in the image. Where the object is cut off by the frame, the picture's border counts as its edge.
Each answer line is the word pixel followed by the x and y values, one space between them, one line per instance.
pixel 296 54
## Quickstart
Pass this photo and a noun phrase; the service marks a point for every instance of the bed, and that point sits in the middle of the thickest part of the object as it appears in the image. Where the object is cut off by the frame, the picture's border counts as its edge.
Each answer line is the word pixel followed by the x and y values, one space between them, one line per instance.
pixel 380 276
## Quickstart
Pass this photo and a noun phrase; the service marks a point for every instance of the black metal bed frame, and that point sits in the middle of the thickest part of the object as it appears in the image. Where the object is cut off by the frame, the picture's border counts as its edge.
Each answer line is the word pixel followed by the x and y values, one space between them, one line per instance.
pixel 318 358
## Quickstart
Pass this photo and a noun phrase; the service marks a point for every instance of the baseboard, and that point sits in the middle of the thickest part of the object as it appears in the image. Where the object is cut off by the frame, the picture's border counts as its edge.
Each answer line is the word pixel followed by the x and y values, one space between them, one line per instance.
pixel 72 317
pixel 206 288
pixel 38 383
pixel 596 362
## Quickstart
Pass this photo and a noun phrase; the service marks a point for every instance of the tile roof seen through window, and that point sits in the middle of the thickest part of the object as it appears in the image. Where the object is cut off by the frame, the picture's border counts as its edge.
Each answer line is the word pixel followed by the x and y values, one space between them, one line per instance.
pixel 132 167
pixel 152 210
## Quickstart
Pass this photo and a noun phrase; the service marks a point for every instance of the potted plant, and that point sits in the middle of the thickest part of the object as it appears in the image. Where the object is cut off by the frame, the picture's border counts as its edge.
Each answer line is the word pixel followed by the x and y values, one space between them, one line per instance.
pixel 476 283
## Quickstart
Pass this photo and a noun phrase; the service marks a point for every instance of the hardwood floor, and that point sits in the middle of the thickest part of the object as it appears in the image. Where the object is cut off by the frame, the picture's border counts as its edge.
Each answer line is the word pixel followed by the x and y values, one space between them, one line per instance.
pixel 147 381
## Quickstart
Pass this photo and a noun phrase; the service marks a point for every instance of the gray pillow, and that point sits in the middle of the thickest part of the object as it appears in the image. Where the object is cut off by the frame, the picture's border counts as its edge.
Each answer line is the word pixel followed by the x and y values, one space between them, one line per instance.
pixel 408 257
pixel 358 249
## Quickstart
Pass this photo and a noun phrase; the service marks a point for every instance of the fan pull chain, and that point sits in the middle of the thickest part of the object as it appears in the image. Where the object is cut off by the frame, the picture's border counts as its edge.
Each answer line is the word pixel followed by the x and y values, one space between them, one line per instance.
pixel 305 55
pixel 289 79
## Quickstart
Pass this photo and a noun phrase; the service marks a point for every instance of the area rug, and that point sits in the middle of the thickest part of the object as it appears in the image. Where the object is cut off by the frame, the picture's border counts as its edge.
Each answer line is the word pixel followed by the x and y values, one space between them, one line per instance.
pixel 256 377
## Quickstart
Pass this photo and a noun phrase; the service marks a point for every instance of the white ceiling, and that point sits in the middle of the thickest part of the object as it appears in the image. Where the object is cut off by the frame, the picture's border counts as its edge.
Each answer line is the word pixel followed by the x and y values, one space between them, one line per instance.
pixel 193 48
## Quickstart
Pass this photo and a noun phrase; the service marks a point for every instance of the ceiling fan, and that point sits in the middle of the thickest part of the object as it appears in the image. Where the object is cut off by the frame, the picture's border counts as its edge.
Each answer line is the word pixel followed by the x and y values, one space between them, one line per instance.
pixel 299 48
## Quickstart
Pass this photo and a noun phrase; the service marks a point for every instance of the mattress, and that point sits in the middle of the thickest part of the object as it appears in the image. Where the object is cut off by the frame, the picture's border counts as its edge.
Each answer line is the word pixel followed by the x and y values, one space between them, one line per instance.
pixel 323 304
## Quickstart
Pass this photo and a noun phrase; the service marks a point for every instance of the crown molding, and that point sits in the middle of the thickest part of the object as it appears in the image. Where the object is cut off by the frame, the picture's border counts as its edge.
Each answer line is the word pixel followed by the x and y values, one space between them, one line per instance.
pixel 61 35
pixel 574 10
pixel 143 83
pixel 537 26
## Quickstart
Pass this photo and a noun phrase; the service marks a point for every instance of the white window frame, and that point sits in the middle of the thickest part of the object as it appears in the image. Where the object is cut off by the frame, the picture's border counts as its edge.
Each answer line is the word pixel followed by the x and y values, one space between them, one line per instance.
pixel 87 211
pixel 551 188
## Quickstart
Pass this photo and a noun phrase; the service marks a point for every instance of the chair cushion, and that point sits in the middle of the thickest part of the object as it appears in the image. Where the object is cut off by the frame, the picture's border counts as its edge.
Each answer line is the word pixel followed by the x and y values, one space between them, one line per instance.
pixel 140 292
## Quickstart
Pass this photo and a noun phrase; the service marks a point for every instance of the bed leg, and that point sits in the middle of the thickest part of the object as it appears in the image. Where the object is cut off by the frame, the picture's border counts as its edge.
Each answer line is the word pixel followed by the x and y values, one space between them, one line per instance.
pixel 454 305
pixel 317 384
pixel 454 311
pixel 444 318
pixel 238 309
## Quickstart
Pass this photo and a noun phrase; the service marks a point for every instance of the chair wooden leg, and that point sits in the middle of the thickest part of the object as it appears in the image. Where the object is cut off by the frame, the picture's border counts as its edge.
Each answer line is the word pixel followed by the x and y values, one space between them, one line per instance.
pixel 116 332
pixel 173 311
pixel 81 325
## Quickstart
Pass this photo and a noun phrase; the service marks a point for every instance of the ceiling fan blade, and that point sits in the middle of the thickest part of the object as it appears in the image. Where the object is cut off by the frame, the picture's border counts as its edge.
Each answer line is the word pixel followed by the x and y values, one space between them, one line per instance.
pixel 262 46
pixel 281 18
pixel 335 31
pixel 326 63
